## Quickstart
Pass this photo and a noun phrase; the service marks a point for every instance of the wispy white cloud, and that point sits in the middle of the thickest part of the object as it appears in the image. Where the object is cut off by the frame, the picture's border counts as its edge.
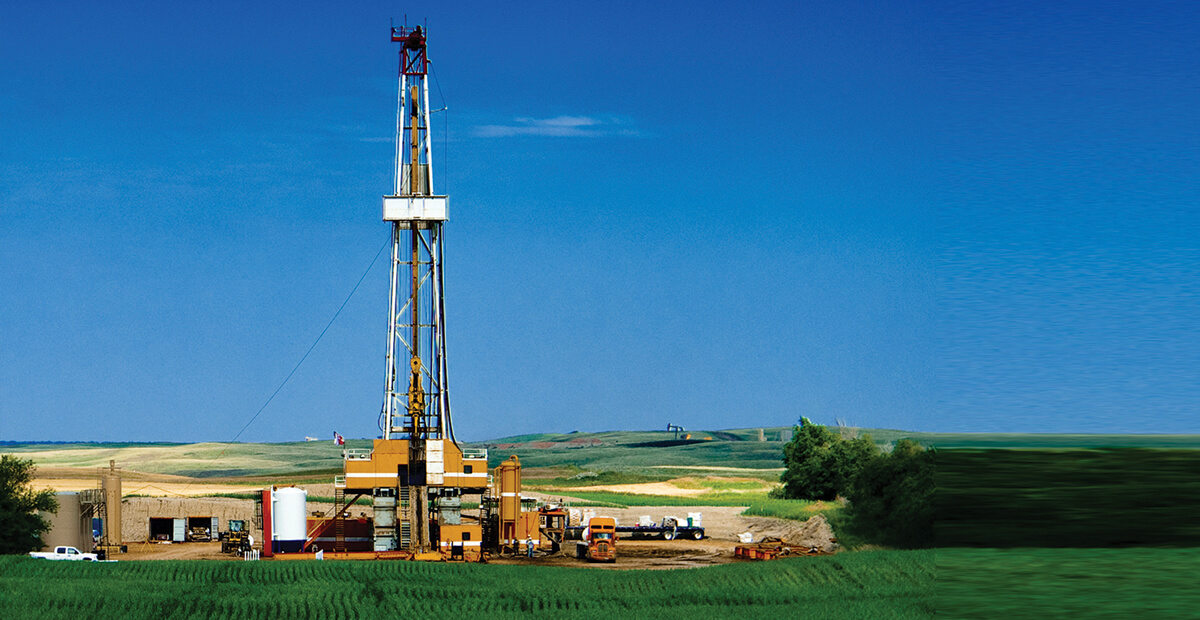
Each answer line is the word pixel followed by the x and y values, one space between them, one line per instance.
pixel 559 126
pixel 560 121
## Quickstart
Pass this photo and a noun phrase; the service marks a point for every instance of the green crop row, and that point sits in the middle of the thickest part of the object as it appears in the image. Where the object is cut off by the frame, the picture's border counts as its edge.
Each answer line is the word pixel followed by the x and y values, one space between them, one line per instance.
pixel 859 585
pixel 956 583
pixel 1068 583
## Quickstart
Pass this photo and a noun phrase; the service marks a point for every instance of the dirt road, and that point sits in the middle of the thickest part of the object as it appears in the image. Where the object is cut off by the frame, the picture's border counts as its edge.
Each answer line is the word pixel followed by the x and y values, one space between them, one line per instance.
pixel 639 555
pixel 656 555
pixel 174 551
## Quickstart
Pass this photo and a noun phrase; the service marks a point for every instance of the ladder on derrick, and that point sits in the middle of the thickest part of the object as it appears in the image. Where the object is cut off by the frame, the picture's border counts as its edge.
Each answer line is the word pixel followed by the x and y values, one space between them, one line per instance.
pixel 405 517
pixel 487 506
pixel 339 520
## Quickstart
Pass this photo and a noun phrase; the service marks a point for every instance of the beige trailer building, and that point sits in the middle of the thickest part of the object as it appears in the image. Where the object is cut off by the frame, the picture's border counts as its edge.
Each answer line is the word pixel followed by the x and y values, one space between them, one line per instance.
pixel 173 518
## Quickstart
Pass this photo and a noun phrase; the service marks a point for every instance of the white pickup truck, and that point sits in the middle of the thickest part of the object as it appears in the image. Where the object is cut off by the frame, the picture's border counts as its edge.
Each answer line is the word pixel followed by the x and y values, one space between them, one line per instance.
pixel 64 553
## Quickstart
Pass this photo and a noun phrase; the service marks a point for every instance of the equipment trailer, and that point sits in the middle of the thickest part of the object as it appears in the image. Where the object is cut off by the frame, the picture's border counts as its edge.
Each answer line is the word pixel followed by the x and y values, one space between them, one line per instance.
pixel 660 531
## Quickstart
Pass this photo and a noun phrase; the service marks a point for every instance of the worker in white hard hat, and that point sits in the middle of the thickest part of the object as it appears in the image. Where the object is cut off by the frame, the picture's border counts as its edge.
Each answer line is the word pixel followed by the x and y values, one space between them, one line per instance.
pixel 529 545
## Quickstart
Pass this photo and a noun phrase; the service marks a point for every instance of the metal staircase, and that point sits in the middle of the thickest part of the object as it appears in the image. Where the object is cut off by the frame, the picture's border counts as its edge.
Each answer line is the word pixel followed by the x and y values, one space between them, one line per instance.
pixel 339 519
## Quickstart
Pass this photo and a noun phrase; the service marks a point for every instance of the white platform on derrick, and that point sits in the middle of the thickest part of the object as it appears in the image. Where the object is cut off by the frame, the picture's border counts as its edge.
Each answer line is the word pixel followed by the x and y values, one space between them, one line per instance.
pixel 404 208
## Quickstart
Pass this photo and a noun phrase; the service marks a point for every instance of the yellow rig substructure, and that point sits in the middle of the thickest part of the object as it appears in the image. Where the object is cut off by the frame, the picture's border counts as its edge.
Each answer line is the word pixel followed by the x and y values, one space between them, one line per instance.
pixel 402 491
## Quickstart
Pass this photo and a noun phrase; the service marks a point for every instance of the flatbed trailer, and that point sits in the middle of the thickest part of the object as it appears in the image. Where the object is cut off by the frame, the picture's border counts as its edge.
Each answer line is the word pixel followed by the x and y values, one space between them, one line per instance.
pixel 646 532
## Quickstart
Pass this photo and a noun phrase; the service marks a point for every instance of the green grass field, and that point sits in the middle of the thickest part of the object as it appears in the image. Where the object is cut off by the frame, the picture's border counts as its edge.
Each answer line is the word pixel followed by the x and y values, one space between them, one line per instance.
pixel 951 583
pixel 894 584
pixel 1068 583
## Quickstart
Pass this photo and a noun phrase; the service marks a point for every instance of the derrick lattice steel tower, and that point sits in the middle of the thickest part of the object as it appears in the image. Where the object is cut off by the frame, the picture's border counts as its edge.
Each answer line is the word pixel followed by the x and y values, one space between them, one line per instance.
pixel 415 406
pixel 415 472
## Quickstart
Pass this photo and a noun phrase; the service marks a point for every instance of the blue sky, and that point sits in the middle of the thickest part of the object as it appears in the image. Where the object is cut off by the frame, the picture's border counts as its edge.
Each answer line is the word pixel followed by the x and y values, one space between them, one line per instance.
pixel 907 217
pixel 1067 242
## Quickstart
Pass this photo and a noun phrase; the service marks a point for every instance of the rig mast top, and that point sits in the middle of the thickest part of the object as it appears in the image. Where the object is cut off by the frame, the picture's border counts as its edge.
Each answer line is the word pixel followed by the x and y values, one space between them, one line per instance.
pixel 412 60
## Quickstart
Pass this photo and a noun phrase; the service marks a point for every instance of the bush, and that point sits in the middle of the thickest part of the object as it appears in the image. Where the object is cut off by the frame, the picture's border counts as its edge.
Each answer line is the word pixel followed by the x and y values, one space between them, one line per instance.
pixel 891 498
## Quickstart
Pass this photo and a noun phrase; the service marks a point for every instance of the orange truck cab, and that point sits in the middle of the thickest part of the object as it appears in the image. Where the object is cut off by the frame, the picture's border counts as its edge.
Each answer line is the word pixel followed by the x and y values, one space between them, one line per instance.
pixel 600 541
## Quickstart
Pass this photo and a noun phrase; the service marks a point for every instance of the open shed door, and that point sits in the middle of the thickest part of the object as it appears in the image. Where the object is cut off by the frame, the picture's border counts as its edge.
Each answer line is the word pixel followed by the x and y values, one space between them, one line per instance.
pixel 180 531
pixel 216 530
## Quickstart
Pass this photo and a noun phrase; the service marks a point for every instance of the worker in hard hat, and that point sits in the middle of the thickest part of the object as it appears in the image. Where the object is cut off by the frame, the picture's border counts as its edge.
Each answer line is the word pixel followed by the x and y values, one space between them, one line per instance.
pixel 529 545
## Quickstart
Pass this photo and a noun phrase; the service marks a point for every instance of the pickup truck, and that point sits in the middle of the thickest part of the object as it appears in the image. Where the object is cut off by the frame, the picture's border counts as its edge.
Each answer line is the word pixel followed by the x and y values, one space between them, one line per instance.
pixel 64 553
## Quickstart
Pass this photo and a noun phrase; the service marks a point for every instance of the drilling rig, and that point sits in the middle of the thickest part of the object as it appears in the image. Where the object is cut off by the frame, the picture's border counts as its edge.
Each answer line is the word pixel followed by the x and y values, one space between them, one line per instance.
pixel 415 472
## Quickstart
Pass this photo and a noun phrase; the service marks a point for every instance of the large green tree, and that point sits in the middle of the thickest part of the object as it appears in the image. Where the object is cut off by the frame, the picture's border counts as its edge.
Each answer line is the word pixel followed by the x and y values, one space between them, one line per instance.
pixel 891 498
pixel 820 464
pixel 21 527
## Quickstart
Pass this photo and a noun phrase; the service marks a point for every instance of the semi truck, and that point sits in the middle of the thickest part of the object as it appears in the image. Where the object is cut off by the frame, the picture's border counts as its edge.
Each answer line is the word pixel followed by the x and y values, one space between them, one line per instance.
pixel 599 542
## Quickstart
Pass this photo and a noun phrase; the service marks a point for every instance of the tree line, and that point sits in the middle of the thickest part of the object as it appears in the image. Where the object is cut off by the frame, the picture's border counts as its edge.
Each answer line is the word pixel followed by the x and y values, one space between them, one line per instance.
pixel 889 495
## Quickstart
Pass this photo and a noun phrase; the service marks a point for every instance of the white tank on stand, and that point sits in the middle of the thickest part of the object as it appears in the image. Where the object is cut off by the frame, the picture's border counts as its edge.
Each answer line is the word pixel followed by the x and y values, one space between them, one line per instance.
pixel 290 510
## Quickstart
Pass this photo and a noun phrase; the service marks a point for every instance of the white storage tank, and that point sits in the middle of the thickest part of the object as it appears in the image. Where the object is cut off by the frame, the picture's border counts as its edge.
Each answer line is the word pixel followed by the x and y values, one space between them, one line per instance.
pixel 289 507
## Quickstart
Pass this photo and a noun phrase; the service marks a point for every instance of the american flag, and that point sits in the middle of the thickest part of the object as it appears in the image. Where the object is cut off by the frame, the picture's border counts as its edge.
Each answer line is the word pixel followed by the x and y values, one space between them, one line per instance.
pixel 338 440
